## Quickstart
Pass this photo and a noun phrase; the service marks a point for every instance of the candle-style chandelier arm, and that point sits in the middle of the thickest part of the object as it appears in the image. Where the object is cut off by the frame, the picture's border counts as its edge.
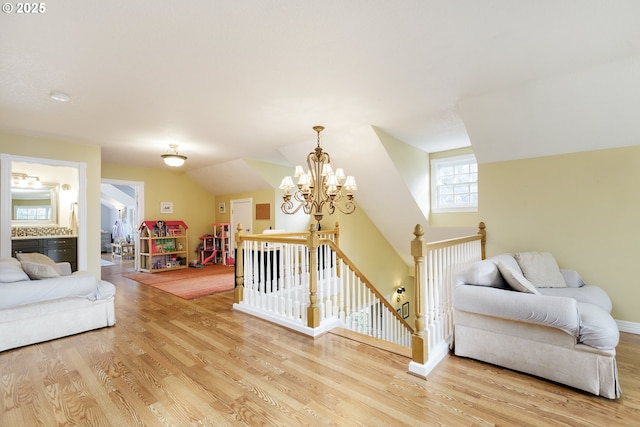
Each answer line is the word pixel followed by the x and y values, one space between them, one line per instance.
pixel 320 186
pixel 288 207
pixel 347 208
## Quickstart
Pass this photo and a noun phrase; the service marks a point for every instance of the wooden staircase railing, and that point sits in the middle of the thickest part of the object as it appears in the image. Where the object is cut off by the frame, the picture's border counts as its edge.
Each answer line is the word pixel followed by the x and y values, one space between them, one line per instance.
pixel 273 281
pixel 436 266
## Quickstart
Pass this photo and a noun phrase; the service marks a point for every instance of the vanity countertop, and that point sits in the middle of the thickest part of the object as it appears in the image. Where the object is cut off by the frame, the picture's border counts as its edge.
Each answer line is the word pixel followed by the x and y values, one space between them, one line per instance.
pixel 51 232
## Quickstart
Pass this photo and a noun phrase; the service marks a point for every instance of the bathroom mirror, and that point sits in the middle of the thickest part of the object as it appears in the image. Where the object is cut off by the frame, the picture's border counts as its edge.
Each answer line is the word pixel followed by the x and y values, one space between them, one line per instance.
pixel 36 206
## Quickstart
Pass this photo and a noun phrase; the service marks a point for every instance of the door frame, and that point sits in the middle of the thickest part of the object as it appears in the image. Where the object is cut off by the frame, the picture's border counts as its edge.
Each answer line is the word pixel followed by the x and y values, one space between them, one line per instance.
pixel 6 161
pixel 232 222
pixel 139 198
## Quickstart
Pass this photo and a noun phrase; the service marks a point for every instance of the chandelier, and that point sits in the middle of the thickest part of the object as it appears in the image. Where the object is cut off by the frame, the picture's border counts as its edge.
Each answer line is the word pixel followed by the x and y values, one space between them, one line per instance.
pixel 172 158
pixel 320 186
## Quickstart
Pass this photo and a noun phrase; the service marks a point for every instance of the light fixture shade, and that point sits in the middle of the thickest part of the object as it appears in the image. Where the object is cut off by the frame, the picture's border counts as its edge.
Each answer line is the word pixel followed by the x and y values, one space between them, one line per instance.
pixel 59 96
pixel 287 183
pixel 332 180
pixel 304 179
pixel 22 180
pixel 350 183
pixel 172 158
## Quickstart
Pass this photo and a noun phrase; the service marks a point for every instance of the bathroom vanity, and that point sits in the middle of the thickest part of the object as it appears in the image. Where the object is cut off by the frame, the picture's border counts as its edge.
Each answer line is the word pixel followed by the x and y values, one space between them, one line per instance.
pixel 59 249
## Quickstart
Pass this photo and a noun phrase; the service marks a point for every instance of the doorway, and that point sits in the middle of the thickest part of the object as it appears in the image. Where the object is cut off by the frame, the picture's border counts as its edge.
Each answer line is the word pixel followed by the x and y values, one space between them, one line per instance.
pixel 67 183
pixel 121 211
pixel 241 213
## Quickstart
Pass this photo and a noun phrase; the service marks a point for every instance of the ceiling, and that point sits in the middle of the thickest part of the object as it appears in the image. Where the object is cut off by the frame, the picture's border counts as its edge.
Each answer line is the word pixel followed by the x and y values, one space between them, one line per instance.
pixel 229 80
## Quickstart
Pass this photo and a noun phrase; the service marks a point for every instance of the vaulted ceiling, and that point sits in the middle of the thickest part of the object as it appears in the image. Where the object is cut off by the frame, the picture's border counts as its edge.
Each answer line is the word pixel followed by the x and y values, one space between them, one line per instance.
pixel 231 80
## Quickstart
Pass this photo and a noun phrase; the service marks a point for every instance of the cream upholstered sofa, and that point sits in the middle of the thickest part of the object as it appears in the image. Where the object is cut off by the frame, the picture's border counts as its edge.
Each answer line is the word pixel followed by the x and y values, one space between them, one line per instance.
pixel 522 312
pixel 41 300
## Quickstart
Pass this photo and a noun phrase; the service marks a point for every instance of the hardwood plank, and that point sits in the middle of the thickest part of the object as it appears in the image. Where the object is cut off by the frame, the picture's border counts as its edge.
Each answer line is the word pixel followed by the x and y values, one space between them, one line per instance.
pixel 170 361
pixel 375 342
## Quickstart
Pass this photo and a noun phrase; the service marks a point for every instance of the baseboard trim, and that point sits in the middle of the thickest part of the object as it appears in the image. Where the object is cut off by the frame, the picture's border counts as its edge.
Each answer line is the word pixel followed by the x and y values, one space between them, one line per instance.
pixel 629 327
pixel 325 326
pixel 435 357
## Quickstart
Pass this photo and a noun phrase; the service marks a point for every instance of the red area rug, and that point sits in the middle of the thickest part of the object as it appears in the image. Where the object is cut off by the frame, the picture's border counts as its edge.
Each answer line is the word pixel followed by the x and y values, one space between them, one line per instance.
pixel 190 283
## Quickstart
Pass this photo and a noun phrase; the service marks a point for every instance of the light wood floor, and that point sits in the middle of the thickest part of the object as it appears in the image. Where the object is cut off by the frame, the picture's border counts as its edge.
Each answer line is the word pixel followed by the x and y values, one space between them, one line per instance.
pixel 174 362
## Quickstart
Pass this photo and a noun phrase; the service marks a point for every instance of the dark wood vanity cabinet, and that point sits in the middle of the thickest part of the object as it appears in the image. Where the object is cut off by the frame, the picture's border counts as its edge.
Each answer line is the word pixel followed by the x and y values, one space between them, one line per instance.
pixel 59 249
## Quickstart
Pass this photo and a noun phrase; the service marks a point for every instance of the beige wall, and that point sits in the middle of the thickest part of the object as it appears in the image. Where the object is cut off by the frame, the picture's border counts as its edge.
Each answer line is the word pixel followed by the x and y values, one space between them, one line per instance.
pixel 258 197
pixel 273 174
pixel 71 152
pixel 581 207
pixel 370 251
pixel 191 202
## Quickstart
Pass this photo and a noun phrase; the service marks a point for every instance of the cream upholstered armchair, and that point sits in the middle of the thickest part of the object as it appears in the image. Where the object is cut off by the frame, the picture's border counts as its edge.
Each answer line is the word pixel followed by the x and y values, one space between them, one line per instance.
pixel 522 312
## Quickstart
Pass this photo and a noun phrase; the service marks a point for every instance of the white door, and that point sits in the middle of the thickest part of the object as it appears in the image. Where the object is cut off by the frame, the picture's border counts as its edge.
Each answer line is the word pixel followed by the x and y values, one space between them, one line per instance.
pixel 241 213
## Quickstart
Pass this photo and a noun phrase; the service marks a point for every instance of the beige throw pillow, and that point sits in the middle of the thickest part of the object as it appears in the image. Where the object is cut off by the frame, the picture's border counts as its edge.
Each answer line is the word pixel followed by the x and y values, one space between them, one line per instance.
pixel 541 269
pixel 38 266
pixel 516 280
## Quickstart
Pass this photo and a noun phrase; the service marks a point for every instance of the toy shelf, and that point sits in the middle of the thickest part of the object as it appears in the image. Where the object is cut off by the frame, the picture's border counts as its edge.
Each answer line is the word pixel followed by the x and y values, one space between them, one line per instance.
pixel 163 246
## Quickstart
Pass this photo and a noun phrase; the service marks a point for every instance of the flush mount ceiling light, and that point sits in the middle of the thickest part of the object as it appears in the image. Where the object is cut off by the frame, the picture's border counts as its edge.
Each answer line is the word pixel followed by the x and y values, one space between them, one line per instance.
pixel 172 158
pixel 59 96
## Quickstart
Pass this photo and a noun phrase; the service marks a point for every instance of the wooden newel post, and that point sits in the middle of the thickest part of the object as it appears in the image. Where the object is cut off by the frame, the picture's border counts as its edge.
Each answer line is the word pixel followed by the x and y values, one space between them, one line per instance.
pixel 313 311
pixel 483 241
pixel 239 291
pixel 419 340
pixel 336 233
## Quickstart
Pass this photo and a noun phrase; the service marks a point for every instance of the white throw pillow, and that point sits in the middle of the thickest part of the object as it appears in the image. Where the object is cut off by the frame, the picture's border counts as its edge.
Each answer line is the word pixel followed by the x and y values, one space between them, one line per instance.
pixel 541 269
pixel 482 273
pixel 38 266
pixel 516 280
pixel 11 271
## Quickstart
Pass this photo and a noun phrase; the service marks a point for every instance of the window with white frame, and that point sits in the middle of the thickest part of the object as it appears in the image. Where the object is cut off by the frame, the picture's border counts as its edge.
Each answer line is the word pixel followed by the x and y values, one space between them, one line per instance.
pixel 30 213
pixel 454 184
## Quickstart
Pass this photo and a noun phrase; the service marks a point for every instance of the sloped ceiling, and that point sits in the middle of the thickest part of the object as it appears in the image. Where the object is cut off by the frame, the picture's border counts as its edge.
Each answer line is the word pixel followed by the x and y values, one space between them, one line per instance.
pixel 589 109
pixel 116 196
pixel 232 177
pixel 229 80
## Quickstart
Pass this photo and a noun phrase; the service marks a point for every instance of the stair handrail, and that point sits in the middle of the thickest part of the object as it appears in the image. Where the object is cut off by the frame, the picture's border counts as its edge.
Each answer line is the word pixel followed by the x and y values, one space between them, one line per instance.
pixel 344 258
pixel 313 240
pixel 421 343
pixel 285 238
